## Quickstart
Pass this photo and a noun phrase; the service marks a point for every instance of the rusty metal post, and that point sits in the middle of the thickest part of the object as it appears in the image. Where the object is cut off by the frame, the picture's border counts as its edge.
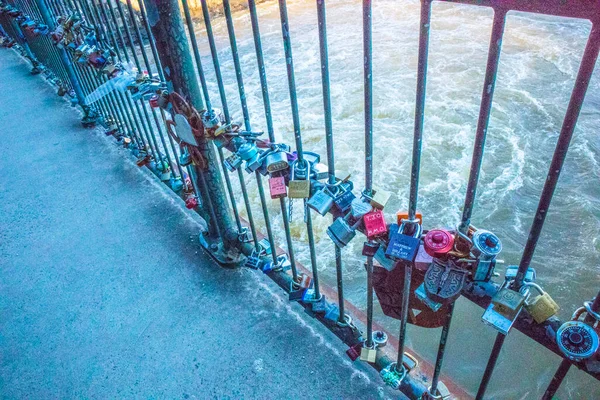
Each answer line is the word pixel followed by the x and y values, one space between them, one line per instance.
pixel 166 23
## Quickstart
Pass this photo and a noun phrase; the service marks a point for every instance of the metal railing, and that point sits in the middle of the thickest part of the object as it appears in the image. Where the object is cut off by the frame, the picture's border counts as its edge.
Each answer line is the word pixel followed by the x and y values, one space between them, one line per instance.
pixel 169 123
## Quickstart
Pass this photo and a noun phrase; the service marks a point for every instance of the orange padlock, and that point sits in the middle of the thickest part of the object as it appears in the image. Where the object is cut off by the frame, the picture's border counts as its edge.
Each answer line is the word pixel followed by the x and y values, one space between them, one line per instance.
pixel 400 215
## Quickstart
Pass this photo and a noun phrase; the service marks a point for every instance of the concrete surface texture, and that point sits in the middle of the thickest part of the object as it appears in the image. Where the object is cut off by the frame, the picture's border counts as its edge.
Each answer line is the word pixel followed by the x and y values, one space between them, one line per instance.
pixel 105 292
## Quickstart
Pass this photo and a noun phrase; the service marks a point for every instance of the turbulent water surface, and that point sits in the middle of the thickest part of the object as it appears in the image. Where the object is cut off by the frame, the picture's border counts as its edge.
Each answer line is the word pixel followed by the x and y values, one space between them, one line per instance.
pixel 539 61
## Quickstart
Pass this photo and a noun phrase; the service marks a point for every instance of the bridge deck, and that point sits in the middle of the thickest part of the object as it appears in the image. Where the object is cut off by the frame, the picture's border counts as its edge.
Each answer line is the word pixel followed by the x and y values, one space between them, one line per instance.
pixel 105 292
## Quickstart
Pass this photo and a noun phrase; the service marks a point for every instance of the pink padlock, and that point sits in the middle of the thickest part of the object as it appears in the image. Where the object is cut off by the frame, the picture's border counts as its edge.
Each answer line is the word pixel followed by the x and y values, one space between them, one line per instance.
pixel 277 187
pixel 374 224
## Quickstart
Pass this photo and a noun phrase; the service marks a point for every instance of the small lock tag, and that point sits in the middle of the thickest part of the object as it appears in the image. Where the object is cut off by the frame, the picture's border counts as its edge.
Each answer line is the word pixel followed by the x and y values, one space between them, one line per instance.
pixel 321 201
pixel 374 224
pixel 184 130
pixel 299 188
pixel 368 355
pixel 370 249
pixel 505 307
pixel 421 294
pixel 277 187
pixel 404 247
pixel 542 306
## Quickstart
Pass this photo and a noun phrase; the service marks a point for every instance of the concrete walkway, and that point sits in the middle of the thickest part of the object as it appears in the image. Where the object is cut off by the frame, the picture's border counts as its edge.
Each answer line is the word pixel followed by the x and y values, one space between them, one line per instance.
pixel 105 292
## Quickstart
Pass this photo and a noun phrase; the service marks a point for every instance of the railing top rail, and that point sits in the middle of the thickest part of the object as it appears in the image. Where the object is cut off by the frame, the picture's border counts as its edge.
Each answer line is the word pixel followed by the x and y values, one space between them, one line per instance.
pixel 586 9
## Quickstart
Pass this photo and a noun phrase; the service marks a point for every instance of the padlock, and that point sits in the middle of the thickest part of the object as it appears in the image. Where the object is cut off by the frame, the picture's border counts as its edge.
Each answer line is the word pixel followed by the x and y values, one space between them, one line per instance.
pixel 421 294
pixel 247 151
pixel 486 246
pixel 305 281
pixel 392 376
pixel 153 101
pixel 276 161
pixel 354 351
pixel 319 171
pixel 577 340
pixel 299 188
pixel 342 200
pixel 277 187
pixel 403 215
pixel 297 295
pixel 253 261
pixel 282 263
pixel 511 273
pixel 191 202
pixel 422 259
pixel 540 307
pixel 319 305
pixel 378 198
pixel 438 242
pixel 233 162
pixel 380 338
pixel 404 247
pixel 444 281
pixel 505 307
pixel 332 313
pixel 370 249
pixel 254 163
pixel 265 246
pixel 185 158
pixel 382 259
pixel 321 201
pixel 368 354
pixel 375 225
pixel 176 184
pixel 341 232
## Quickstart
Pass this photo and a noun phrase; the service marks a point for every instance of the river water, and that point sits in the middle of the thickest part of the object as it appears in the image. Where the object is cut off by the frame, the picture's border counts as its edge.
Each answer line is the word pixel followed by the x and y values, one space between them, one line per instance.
pixel 539 62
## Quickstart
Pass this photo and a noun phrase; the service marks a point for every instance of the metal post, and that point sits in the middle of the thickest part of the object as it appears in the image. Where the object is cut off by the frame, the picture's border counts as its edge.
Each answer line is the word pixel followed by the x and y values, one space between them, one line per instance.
pixel 582 81
pixel 322 17
pixel 164 18
pixel 88 117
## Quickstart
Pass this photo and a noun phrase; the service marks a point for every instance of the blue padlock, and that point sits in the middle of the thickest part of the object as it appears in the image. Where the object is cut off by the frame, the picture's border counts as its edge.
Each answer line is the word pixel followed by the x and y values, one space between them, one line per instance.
pixel 343 200
pixel 176 184
pixel 332 313
pixel 404 247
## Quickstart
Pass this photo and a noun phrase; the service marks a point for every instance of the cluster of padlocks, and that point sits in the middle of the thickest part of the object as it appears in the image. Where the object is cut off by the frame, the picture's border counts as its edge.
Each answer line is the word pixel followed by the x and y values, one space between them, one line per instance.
pixel 24 21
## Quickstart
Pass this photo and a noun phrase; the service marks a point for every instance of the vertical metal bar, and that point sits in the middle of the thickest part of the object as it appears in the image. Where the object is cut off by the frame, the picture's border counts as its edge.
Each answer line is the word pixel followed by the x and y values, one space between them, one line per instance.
pixel 586 69
pixel 485 109
pixel 565 364
pixel 441 351
pixel 322 18
pixel 269 120
pixel 489 368
pixel 244 103
pixel 48 20
pixel 420 106
pixel 287 45
pixel 368 101
pixel 217 67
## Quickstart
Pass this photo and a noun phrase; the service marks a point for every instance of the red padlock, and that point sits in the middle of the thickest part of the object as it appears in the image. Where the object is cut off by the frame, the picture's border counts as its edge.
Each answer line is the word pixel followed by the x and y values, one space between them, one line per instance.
pixel 153 101
pixel 438 242
pixel 277 187
pixel 191 202
pixel 374 224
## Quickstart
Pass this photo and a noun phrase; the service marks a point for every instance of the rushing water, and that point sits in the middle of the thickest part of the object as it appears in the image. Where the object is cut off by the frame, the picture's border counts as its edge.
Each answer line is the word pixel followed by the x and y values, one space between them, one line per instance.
pixel 539 62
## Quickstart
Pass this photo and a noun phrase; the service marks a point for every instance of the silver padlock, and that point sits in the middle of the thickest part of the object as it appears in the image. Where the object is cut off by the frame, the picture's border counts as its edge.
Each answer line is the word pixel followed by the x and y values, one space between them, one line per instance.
pixel 319 171
pixel 321 201
pixel 511 273
pixel 421 294
pixel 276 161
pixel 233 162
pixel 504 309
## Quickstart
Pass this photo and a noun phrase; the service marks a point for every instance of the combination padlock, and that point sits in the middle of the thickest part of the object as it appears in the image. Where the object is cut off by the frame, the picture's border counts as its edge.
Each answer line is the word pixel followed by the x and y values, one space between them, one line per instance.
pixel 299 188
pixel 505 307
pixel 277 187
pixel 438 243
pixel 375 225
pixel 402 246
pixel 542 306
pixel 321 201
pixel 578 339
pixel 486 246
pixel 392 376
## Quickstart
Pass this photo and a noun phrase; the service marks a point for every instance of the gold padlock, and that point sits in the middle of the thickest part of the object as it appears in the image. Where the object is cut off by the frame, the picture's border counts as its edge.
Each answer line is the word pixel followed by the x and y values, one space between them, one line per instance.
pixel 541 307
pixel 299 188
pixel 508 302
pixel 379 198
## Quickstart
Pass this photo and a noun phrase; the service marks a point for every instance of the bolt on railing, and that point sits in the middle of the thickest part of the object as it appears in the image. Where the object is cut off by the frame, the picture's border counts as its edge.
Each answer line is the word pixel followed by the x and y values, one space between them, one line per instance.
pixel 162 98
